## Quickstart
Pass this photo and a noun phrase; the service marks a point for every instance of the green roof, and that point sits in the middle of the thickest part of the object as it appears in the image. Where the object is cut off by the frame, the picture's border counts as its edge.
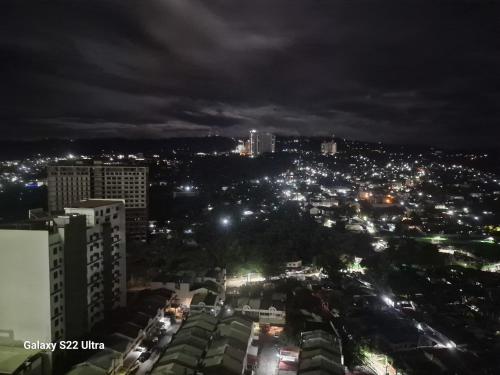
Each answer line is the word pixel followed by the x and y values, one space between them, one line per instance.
pixel 86 369
pixel 12 357
pixel 195 332
pixel 185 348
pixel 219 348
pixel 231 333
pixel 247 330
pixel 320 364
pixel 180 358
pixel 223 362
pixel 320 343
pixel 172 369
pixel 239 319
pixel 190 340
pixel 202 316
pixel 200 323
pixel 320 351
pixel 104 358
pixel 208 299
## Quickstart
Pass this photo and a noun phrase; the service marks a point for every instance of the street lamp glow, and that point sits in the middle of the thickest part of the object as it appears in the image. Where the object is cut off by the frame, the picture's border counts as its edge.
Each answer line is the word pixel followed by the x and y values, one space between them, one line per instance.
pixel 388 301
pixel 451 345
pixel 225 221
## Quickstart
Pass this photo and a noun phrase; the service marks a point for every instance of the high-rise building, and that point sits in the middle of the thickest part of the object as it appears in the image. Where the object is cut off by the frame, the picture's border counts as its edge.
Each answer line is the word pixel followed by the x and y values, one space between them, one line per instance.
pixel 329 148
pixel 261 143
pixel 106 251
pixel 68 184
pixel 32 282
pixel 61 275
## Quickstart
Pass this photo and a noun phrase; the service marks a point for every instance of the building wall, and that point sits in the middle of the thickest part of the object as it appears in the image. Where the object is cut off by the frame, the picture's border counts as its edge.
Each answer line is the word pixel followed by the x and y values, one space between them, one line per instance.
pixel 74 234
pixel 31 291
pixel 67 184
pixel 94 277
pixel 70 184
pixel 106 256
pixel 261 143
pixel 329 148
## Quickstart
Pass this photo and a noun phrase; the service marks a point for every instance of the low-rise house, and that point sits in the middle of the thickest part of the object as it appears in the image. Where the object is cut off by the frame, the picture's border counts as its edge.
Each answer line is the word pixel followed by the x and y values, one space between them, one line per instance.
pixel 190 338
pixel 185 285
pixel 172 369
pixel 16 360
pixel 222 365
pixel 180 358
pixel 208 346
pixel 206 302
pixel 320 353
pixel 185 348
pixel 107 359
pixel 268 308
pixel 86 369
pixel 294 264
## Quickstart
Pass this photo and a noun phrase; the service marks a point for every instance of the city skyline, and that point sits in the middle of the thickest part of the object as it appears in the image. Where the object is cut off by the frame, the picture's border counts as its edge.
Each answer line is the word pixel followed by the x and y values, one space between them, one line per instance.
pixel 420 72
pixel 286 187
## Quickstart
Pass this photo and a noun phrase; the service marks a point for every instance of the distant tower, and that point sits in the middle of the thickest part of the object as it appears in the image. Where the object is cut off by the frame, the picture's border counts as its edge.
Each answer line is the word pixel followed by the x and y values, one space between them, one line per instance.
pixel 329 148
pixel 261 143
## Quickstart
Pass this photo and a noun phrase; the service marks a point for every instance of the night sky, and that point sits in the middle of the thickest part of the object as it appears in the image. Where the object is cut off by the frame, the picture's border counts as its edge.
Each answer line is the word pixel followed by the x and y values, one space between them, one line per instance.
pixel 425 71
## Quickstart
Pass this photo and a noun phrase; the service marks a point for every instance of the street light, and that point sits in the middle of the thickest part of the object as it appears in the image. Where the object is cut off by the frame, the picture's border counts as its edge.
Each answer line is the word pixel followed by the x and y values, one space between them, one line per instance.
pixel 225 221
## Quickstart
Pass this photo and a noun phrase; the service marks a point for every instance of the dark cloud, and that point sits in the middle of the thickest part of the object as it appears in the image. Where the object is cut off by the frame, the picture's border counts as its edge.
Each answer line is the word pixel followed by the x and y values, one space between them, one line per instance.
pixel 422 71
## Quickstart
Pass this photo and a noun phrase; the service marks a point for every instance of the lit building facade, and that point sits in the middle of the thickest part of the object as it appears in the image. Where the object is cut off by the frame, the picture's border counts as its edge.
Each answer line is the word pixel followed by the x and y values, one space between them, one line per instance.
pixel 329 148
pixel 261 143
pixel 32 283
pixel 73 271
pixel 68 184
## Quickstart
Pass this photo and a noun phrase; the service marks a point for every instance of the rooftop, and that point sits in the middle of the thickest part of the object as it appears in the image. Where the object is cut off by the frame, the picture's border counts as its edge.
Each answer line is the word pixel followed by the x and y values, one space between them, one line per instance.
pixel 13 357
pixel 86 369
pixel 172 369
pixel 94 203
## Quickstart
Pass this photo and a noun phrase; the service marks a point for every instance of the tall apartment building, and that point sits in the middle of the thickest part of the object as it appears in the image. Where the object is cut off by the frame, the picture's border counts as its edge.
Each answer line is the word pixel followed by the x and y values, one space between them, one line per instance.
pixel 32 282
pixel 60 275
pixel 68 184
pixel 106 252
pixel 329 148
pixel 261 143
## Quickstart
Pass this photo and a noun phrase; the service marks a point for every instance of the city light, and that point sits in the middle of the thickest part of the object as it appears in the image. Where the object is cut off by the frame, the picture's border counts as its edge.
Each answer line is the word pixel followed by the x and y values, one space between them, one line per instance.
pixel 388 301
pixel 182 182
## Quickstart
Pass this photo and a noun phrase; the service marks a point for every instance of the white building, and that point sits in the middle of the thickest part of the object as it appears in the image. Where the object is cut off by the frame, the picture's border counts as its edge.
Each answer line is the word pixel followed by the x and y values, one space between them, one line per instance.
pixel 261 143
pixel 329 148
pixel 32 283
pixel 59 276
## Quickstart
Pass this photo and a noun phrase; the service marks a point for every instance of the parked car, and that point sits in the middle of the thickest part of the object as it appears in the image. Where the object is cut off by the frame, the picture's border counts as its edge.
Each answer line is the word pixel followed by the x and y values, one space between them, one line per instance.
pixel 144 356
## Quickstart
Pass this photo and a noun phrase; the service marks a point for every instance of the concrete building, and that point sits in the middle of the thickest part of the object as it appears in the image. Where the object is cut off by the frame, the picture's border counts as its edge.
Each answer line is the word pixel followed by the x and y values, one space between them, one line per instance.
pixel 32 282
pixel 261 143
pixel 60 275
pixel 106 252
pixel 329 148
pixel 16 360
pixel 68 184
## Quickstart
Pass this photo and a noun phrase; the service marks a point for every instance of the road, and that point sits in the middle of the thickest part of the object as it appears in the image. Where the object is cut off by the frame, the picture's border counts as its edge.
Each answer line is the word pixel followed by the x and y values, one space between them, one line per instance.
pixel 268 360
pixel 147 365
pixel 427 331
